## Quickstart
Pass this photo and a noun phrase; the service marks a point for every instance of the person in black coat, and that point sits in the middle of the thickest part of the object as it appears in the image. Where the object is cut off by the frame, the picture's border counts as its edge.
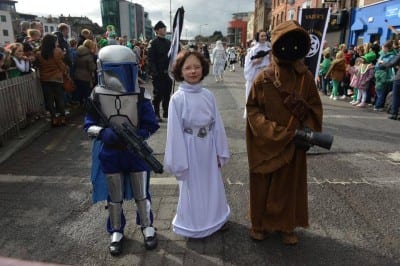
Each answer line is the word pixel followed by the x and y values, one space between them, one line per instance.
pixel 158 63
pixel 205 52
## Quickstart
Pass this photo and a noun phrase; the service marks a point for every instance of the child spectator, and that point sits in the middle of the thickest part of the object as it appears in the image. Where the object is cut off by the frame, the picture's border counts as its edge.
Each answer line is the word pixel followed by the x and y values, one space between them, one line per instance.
pixel 354 78
pixel 366 73
pixel 336 72
pixel 32 43
pixel 20 64
pixel 324 67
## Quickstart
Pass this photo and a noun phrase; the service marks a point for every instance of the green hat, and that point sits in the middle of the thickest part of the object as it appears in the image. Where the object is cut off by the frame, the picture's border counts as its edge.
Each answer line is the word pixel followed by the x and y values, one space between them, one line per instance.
pixel 103 42
pixel 369 57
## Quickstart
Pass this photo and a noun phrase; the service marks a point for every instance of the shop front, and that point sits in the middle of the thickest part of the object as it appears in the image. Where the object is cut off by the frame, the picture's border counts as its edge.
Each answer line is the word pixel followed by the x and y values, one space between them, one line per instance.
pixel 377 22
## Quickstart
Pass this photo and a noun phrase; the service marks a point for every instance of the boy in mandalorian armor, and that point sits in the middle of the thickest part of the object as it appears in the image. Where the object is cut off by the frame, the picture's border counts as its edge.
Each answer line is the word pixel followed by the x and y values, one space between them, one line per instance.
pixel 122 101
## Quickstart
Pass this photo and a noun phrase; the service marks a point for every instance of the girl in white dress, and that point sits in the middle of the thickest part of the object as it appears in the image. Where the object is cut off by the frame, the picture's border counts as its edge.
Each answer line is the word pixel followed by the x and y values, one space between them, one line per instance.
pixel 196 149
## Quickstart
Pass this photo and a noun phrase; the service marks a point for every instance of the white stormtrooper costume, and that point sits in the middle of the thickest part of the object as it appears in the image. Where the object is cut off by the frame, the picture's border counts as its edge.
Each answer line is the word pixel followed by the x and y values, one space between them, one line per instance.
pixel 120 99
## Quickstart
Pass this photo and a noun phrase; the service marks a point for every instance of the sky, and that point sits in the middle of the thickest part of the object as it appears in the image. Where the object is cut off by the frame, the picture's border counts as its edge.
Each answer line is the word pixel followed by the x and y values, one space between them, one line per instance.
pixel 201 16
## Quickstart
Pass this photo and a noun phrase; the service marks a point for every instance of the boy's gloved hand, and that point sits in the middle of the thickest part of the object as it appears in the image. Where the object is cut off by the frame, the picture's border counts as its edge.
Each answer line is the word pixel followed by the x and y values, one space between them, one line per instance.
pixel 108 136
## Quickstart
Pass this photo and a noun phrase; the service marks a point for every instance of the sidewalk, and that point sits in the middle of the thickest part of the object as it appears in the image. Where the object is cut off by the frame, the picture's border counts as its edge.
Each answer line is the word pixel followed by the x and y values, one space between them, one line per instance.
pixel 26 137
pixel 29 134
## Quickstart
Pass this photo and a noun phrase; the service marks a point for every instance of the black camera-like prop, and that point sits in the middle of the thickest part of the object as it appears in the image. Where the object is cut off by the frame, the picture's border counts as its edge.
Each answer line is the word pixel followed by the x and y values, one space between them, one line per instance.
pixel 259 54
pixel 306 137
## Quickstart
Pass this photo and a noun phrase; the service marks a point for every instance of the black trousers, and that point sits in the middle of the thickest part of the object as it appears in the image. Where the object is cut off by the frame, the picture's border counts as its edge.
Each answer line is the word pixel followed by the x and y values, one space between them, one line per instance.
pixel 54 97
pixel 162 87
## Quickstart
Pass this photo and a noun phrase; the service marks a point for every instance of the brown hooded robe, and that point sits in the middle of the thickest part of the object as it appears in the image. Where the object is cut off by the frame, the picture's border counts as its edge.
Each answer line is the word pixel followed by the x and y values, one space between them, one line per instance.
pixel 278 170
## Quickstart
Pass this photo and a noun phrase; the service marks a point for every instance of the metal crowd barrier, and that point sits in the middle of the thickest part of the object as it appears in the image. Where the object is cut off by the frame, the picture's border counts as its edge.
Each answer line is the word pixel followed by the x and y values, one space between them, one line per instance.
pixel 21 101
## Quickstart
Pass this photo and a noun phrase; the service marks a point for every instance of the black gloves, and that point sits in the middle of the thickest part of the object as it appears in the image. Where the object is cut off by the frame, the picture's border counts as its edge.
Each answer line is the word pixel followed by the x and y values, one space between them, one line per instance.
pixel 297 106
pixel 300 139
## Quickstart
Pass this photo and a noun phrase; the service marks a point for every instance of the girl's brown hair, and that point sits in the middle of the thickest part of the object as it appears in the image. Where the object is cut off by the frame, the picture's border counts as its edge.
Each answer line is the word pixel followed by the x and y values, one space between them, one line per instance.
pixel 180 60
pixel 14 47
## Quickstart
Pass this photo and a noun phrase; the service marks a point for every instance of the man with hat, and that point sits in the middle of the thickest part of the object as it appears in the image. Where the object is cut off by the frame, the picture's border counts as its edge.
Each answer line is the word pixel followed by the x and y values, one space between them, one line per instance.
pixel 158 62
pixel 283 98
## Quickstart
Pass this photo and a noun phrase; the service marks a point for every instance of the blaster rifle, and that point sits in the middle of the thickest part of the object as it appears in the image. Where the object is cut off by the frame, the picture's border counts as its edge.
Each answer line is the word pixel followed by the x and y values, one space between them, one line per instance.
pixel 259 54
pixel 323 140
pixel 128 134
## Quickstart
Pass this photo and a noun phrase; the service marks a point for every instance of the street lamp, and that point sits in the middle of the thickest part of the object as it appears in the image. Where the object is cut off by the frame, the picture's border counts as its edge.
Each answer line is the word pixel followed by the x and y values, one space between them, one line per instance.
pixel 170 16
pixel 201 26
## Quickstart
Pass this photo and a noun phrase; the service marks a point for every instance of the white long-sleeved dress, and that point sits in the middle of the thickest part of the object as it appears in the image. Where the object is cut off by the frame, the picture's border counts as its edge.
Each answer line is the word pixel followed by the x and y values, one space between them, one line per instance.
pixel 202 206
pixel 251 70
pixel 219 59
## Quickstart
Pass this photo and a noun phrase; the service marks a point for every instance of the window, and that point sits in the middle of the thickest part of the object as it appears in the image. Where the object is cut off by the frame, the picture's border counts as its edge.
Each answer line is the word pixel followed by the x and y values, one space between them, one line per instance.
pixel 46 28
pixel 51 28
pixel 5 33
pixel 3 19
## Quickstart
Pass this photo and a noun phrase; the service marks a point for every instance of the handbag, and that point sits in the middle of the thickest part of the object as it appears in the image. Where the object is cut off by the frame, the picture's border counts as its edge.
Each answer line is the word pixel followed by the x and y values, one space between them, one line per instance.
pixel 69 84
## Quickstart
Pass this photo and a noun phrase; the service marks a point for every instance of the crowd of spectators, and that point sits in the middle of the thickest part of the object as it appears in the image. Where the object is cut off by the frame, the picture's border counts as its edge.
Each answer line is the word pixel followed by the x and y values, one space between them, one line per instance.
pixel 363 74
pixel 79 56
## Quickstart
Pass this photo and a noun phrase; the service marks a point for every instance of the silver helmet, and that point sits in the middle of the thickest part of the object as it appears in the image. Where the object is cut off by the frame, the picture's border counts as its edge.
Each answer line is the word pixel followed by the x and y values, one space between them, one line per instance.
pixel 117 69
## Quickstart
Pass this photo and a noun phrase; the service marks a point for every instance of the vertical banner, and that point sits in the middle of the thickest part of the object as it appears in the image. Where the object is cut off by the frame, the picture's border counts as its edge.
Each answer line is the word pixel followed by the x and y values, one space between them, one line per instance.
pixel 315 22
pixel 176 37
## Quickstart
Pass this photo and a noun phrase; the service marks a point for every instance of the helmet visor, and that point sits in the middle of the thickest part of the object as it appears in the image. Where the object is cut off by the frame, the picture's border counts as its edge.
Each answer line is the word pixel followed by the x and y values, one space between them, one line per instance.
pixel 126 73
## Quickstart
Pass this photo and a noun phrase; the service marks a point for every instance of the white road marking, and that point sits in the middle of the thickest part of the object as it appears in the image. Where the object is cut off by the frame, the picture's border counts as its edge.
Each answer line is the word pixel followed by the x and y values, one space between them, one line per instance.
pixel 357 117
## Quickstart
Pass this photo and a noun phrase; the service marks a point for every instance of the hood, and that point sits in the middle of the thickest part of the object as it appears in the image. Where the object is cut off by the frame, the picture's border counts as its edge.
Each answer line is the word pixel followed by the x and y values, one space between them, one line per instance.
pixel 82 50
pixel 290 42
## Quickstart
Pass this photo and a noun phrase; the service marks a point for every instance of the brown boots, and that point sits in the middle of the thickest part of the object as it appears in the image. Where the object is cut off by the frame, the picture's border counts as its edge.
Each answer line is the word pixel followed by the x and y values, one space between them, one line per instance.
pixel 256 235
pixel 288 238
pixel 58 121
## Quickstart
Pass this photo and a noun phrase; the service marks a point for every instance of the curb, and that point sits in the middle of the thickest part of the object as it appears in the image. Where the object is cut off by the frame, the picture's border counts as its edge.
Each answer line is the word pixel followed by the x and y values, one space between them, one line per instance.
pixel 25 138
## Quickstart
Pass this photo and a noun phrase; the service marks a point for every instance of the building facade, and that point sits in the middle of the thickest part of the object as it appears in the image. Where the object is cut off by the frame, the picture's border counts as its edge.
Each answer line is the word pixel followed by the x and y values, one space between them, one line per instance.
pixel 262 16
pixel 237 30
pixel 8 24
pixel 148 28
pixel 128 18
pixel 338 25
pixel 374 22
pixel 250 28
pixel 6 28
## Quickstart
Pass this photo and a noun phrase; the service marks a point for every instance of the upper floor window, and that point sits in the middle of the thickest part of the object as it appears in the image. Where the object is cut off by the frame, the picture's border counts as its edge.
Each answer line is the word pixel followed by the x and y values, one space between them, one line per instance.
pixel 3 19
pixel 5 33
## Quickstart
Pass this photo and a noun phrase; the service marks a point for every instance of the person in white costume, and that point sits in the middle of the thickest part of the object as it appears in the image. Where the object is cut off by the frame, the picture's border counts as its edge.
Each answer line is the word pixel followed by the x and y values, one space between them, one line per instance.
pixel 196 149
pixel 219 60
pixel 254 66
pixel 232 58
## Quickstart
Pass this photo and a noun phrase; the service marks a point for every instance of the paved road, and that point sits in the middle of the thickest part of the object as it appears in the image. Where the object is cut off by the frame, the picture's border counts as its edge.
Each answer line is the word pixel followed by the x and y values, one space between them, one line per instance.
pixel 47 215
